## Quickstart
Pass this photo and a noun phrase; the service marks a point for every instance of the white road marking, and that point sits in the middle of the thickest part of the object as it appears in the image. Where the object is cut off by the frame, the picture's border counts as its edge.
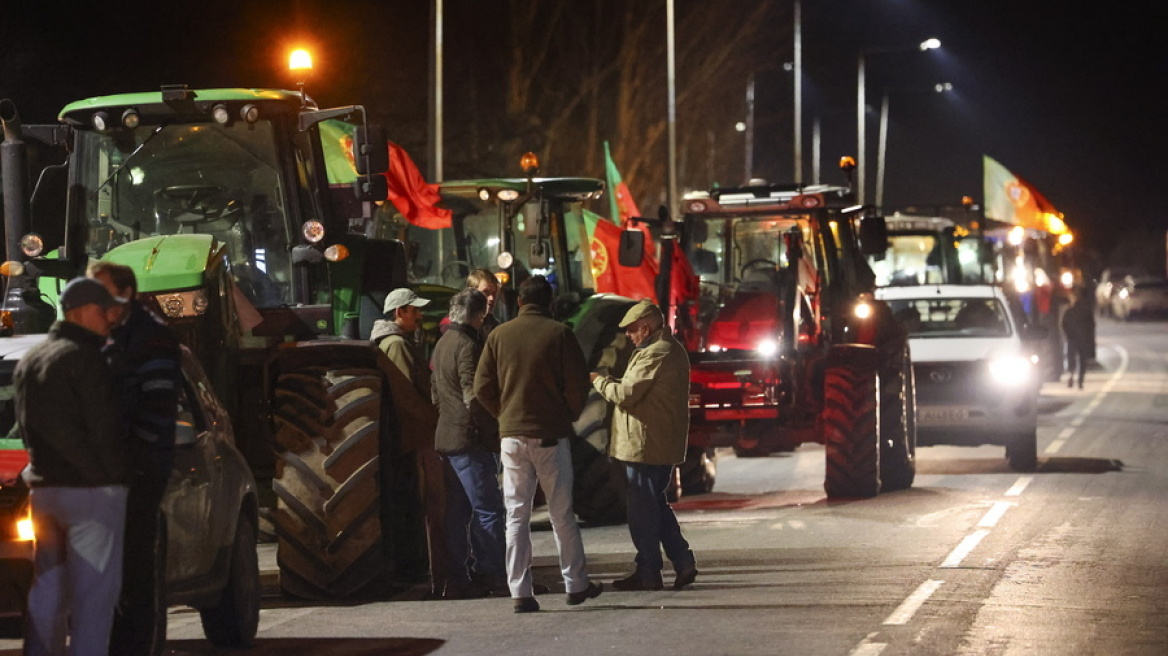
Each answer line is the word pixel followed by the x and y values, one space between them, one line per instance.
pixel 962 550
pixel 913 603
pixel 1017 488
pixel 867 647
pixel 990 519
pixel 1054 446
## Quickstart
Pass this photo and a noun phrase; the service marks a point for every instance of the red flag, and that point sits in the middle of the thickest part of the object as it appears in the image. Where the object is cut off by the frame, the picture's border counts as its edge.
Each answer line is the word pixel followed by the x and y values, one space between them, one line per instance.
pixel 409 192
pixel 683 285
pixel 633 282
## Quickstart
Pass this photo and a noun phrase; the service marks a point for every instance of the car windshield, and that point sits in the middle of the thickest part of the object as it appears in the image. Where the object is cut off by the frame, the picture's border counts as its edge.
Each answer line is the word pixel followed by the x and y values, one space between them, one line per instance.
pixel 205 178
pixel 952 317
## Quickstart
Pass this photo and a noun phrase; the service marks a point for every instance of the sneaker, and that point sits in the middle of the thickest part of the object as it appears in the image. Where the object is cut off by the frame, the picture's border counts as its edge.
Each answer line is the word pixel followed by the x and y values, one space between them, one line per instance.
pixel 526 605
pixel 639 581
pixel 591 592
pixel 685 577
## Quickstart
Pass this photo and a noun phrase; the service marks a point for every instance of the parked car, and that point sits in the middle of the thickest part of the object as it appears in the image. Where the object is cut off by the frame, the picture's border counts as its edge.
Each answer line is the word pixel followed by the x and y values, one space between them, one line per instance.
pixel 208 546
pixel 976 374
pixel 1140 296
pixel 1108 286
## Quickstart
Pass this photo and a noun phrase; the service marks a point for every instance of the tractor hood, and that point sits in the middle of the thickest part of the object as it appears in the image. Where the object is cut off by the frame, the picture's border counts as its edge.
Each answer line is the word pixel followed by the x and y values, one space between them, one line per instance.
pixel 168 262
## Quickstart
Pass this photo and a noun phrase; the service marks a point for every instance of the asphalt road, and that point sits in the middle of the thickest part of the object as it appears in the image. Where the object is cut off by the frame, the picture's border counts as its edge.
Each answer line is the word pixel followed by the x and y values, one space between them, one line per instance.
pixel 974 559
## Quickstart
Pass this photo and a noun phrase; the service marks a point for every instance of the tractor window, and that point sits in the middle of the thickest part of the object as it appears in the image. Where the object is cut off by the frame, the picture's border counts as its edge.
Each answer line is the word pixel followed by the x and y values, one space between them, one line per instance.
pixel 758 248
pixel 205 178
pixel 910 260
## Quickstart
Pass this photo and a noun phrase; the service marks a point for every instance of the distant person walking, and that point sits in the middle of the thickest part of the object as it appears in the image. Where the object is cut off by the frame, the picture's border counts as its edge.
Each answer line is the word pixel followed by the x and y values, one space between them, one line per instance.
pixel 79 472
pixel 145 359
pixel 1078 325
pixel 534 379
pixel 468 440
pixel 650 427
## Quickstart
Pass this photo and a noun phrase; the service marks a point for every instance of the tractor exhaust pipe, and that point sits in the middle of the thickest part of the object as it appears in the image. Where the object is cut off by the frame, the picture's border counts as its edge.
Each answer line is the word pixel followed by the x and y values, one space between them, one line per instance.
pixel 14 170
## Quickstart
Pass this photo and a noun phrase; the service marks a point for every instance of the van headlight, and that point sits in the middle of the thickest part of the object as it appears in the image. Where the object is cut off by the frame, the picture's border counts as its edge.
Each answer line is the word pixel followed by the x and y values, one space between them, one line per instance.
pixel 1011 370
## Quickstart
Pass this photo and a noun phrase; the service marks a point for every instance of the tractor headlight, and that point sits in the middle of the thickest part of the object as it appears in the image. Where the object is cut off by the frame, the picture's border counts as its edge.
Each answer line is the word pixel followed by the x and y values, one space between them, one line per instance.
pixel 32 245
pixel 1013 370
pixel 863 310
pixel 767 348
pixel 313 231
pixel 183 304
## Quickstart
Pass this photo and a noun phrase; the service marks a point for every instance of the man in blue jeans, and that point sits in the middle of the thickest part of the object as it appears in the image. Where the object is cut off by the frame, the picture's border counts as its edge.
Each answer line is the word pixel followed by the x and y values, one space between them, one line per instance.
pixel 650 426
pixel 79 472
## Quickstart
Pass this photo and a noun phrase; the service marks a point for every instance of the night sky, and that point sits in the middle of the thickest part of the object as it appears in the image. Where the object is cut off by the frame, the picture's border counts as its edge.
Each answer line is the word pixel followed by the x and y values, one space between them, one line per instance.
pixel 1067 95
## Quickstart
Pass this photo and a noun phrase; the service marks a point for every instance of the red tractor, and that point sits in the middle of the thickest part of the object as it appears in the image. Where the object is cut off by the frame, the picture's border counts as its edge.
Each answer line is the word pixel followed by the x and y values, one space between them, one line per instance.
pixel 790 345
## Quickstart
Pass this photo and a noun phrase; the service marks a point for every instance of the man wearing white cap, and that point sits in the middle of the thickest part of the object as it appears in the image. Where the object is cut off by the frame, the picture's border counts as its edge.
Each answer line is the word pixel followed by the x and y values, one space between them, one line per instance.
pixel 650 426
pixel 395 336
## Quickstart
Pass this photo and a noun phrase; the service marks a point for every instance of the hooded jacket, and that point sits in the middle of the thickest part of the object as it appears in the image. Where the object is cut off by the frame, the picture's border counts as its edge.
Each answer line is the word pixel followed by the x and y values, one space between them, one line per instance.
pixel 650 422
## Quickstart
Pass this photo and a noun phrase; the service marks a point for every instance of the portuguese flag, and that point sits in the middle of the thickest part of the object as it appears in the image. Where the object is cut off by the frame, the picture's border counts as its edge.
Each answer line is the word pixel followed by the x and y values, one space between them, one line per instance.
pixel 607 273
pixel 1010 199
pixel 620 201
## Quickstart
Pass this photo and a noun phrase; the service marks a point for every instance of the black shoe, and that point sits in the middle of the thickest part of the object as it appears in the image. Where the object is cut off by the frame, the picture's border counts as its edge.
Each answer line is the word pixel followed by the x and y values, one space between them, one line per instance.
pixel 639 581
pixel 591 592
pixel 526 605
pixel 685 577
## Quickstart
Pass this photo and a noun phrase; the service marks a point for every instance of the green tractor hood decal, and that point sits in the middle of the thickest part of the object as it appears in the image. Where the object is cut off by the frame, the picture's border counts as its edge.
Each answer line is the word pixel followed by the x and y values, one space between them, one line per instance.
pixel 167 262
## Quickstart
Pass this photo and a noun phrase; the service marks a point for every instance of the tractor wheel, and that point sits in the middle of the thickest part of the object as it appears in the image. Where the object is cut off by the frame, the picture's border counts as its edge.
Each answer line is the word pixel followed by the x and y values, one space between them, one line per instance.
pixel 898 465
pixel 235 617
pixel 851 429
pixel 1022 452
pixel 599 485
pixel 697 473
pixel 330 542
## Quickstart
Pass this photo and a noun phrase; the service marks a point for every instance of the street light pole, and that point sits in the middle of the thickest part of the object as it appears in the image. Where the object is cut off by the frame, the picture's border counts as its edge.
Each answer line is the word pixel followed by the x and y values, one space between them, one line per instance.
pixel 861 140
pixel 749 141
pixel 671 198
pixel 435 168
pixel 881 149
pixel 798 93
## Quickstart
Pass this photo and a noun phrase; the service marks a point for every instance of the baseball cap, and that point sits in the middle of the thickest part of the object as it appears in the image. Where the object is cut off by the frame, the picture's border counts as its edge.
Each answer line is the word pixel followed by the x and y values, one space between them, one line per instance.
pixel 86 291
pixel 643 309
pixel 402 296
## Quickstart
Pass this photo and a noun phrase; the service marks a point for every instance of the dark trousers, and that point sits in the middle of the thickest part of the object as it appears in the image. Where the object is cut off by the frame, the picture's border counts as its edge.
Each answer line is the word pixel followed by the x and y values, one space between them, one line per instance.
pixel 1077 355
pixel 140 620
pixel 475 516
pixel 652 524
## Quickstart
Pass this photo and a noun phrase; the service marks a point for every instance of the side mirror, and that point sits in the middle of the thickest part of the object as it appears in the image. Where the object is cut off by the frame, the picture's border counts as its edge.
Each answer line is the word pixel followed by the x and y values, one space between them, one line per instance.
pixel 370 149
pixel 873 235
pixel 371 187
pixel 704 261
pixel 631 251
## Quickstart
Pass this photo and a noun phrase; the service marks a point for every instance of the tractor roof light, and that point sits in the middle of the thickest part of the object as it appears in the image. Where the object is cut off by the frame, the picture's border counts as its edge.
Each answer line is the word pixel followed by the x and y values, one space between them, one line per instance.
pixel 529 163
pixel 507 195
pixel 221 114
pixel 249 113
pixel 313 231
pixel 32 245
pixel 484 194
pixel 101 121
pixel 847 163
pixel 131 118
pixel 300 62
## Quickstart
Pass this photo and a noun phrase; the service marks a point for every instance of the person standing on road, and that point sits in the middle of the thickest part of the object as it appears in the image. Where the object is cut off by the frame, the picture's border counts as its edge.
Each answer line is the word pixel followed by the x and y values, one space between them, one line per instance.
pixel 79 472
pixel 468 441
pixel 650 426
pixel 1078 325
pixel 533 377
pixel 145 360
pixel 486 282
pixel 396 336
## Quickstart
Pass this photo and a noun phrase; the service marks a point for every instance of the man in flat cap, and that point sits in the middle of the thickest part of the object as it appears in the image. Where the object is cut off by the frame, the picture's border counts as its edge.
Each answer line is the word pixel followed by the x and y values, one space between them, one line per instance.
pixel 650 426
pixel 79 472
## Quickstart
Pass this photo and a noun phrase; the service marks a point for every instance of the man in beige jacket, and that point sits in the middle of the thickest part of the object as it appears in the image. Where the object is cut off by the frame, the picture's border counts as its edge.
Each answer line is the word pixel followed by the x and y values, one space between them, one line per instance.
pixel 650 426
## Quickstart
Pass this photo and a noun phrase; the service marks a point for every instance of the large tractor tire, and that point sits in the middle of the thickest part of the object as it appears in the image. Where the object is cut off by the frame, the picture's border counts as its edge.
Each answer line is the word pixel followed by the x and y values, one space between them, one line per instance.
pixel 599 484
pixel 898 467
pixel 330 542
pixel 851 424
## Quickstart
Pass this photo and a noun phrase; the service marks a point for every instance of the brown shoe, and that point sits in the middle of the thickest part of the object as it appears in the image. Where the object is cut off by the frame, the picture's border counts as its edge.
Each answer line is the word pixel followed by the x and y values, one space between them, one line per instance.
pixel 526 605
pixel 639 580
pixel 685 577
pixel 591 592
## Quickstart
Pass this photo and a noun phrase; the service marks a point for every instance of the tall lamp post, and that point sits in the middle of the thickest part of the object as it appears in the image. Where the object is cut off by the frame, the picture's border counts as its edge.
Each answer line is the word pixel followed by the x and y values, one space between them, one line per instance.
pixel 861 141
pixel 882 141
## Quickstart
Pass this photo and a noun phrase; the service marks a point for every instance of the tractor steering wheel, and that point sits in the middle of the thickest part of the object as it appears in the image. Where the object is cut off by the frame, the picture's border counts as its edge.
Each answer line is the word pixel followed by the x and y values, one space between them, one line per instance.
pixel 756 264
pixel 194 201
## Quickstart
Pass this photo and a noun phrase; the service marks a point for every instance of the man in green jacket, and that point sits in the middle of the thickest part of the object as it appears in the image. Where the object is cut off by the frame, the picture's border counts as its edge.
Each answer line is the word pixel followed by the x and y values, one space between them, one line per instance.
pixel 533 378
pixel 650 426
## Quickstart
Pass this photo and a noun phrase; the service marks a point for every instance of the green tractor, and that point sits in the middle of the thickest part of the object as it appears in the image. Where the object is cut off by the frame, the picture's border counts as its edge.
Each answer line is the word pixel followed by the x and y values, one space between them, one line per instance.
pixel 249 218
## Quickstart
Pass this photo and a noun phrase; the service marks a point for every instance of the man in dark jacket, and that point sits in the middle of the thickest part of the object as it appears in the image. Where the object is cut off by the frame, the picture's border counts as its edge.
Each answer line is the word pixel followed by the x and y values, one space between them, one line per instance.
pixel 79 471
pixel 145 359
pixel 1078 324
pixel 468 439
pixel 533 378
